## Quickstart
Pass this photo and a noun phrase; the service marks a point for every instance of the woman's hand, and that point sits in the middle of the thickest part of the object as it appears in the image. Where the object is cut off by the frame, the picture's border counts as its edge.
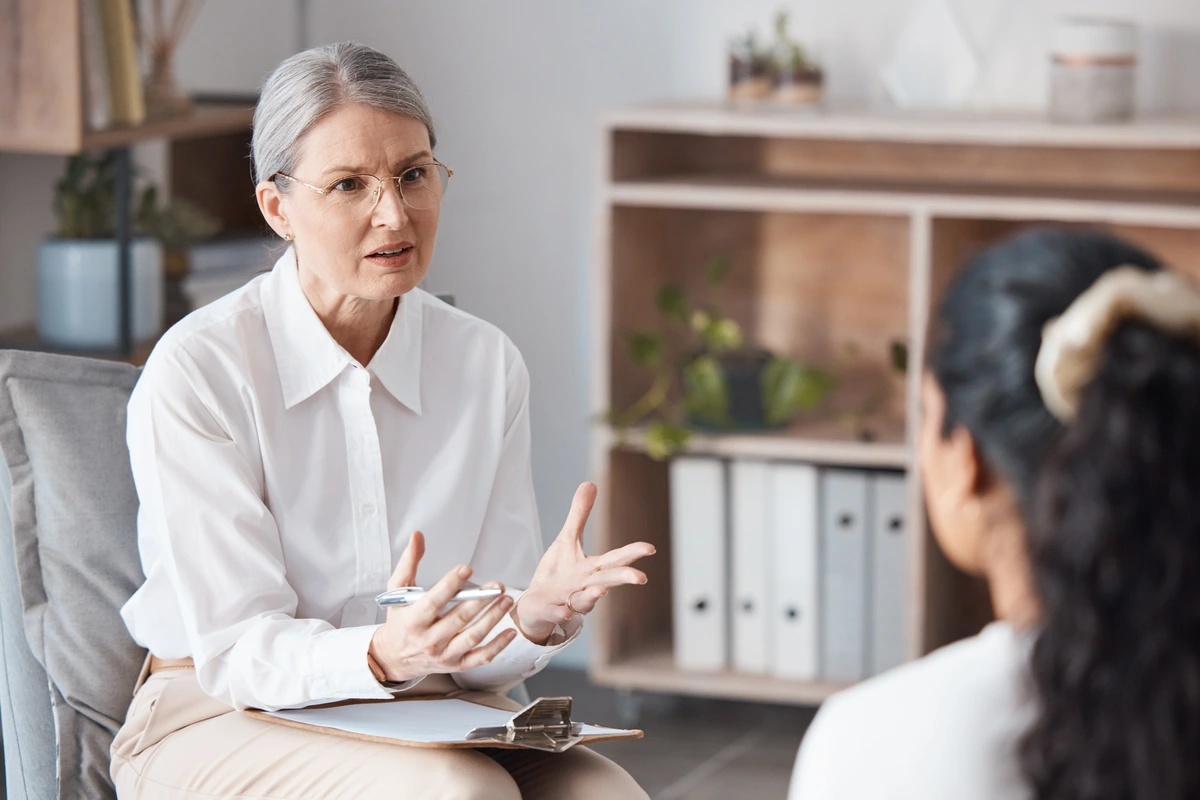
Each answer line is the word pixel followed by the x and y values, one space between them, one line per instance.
pixel 415 641
pixel 567 581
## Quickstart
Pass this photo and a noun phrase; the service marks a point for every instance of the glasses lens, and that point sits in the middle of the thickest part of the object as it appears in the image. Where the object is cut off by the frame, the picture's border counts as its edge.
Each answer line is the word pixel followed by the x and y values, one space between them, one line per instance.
pixel 353 195
pixel 423 186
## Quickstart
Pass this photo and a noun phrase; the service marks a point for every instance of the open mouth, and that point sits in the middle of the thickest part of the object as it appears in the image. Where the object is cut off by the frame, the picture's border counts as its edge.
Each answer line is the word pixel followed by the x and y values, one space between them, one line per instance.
pixel 391 252
pixel 393 255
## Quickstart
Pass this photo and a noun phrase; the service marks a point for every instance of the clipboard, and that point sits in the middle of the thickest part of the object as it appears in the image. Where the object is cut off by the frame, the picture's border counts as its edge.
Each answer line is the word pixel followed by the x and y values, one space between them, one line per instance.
pixel 451 722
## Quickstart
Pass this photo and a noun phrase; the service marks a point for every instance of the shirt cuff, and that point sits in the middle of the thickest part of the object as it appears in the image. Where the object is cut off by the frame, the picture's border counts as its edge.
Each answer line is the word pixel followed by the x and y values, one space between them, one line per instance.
pixel 340 670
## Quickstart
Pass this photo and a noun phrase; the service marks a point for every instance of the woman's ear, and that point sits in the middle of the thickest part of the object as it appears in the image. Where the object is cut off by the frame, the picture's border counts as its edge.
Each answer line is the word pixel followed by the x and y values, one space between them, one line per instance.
pixel 270 203
pixel 954 477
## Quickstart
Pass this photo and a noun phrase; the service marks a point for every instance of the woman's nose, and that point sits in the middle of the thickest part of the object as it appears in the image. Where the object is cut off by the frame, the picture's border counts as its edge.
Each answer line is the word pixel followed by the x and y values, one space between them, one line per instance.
pixel 390 211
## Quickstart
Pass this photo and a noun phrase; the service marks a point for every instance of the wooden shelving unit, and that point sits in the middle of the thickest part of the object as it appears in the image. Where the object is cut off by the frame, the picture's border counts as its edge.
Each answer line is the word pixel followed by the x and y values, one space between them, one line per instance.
pixel 42 111
pixel 842 228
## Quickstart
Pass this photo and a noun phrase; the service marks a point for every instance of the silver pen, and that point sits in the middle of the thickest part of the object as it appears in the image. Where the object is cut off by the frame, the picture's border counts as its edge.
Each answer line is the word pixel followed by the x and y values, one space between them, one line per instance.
pixel 407 595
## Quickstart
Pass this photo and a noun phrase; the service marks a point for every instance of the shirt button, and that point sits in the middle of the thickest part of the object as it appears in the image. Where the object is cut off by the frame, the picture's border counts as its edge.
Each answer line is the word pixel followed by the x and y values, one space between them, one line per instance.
pixel 368 509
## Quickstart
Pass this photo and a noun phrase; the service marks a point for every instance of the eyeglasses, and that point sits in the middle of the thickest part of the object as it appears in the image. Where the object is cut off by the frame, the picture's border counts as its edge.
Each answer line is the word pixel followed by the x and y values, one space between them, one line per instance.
pixel 420 187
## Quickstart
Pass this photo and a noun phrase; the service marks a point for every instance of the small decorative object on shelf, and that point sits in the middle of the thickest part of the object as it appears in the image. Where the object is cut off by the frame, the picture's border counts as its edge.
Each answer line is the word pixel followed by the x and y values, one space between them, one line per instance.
pixel 797 79
pixel 162 37
pixel 749 70
pixel 707 378
pixel 1092 70
pixel 933 64
pixel 78 284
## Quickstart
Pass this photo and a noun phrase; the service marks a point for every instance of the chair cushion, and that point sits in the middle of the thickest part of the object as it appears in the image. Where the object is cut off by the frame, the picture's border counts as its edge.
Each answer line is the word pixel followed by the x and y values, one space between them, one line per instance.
pixel 74 534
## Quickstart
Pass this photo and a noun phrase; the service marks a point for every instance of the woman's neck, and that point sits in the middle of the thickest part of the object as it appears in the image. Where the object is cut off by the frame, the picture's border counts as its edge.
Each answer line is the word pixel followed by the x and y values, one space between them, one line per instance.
pixel 358 324
pixel 1009 579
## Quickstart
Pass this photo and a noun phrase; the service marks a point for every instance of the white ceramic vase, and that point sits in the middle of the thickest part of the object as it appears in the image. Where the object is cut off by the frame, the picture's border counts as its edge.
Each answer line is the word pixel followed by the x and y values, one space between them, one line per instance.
pixel 78 292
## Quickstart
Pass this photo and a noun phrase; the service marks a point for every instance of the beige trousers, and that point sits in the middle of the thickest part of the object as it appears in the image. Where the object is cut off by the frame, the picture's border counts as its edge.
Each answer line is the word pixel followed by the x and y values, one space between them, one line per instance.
pixel 177 743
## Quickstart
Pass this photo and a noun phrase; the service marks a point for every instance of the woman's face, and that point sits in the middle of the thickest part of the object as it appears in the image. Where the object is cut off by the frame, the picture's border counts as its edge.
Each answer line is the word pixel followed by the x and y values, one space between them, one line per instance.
pixel 343 254
pixel 949 474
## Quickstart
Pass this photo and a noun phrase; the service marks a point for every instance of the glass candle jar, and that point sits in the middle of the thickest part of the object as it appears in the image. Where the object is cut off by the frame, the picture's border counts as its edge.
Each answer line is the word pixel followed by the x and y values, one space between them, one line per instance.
pixel 1092 70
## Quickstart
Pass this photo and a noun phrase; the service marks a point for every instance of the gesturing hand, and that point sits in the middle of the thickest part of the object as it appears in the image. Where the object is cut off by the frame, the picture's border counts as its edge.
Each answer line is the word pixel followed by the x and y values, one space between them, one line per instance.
pixel 418 640
pixel 568 581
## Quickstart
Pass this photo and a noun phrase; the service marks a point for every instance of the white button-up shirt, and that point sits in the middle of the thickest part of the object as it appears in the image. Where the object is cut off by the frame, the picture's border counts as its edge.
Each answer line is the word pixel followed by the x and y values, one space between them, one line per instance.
pixel 280 480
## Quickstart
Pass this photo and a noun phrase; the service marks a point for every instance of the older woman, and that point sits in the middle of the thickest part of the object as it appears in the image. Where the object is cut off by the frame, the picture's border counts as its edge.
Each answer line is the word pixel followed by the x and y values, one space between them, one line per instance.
pixel 286 439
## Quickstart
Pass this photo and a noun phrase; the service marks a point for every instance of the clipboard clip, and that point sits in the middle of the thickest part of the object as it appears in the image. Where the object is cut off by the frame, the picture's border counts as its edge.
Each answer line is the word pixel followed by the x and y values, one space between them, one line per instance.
pixel 545 724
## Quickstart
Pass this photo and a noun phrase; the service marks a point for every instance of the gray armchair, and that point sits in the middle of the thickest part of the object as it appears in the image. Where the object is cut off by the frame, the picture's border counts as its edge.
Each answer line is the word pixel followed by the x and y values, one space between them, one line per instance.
pixel 68 561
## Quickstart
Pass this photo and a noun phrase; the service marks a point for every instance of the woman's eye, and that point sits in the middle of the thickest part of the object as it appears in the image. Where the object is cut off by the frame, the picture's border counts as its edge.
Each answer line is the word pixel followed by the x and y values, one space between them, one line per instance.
pixel 415 176
pixel 351 184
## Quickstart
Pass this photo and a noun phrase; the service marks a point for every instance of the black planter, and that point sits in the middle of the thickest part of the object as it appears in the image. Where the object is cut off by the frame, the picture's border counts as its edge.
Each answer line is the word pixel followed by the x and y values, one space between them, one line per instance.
pixel 743 371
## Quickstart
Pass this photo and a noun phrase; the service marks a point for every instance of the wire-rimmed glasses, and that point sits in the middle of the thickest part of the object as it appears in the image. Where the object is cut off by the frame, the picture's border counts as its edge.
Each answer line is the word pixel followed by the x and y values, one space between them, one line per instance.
pixel 420 187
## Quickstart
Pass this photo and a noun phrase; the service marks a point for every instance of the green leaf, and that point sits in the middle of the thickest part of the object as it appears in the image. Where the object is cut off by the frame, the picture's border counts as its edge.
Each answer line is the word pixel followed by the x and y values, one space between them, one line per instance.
pixel 699 322
pixel 789 387
pixel 722 334
pixel 899 353
pixel 705 392
pixel 646 349
pixel 673 303
pixel 716 270
pixel 664 440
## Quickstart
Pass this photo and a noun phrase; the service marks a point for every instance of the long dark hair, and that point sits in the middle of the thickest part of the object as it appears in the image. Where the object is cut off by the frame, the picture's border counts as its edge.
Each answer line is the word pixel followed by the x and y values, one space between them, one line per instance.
pixel 1111 506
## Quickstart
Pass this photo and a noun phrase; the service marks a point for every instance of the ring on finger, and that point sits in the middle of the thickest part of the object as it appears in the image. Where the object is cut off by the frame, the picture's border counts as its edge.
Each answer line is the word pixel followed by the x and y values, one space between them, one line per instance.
pixel 574 610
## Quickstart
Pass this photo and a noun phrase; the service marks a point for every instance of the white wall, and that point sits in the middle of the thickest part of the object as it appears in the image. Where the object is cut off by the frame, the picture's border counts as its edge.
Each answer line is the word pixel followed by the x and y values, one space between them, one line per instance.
pixel 517 88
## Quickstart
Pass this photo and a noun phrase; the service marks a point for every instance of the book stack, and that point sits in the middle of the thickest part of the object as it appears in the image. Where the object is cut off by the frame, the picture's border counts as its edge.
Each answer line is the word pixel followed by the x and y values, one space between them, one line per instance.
pixel 788 569
pixel 114 95
pixel 219 266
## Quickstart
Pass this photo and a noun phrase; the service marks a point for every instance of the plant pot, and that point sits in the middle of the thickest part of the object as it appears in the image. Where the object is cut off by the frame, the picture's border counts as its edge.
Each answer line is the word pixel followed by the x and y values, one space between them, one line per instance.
pixel 798 88
pixel 78 292
pixel 743 371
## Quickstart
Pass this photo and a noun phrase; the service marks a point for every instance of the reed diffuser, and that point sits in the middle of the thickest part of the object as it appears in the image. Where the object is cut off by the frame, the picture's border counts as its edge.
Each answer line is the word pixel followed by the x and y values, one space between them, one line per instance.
pixel 162 31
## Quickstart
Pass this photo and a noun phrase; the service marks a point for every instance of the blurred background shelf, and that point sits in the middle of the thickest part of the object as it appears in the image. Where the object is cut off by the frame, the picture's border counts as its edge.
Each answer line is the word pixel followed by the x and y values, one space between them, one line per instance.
pixel 840 229
pixel 655 671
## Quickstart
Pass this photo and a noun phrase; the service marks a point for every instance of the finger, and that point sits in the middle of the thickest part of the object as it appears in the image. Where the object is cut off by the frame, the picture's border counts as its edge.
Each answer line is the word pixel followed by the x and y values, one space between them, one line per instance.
pixel 468 638
pixel 584 600
pixel 618 576
pixel 429 607
pixel 460 615
pixel 577 517
pixel 484 655
pixel 405 573
pixel 624 556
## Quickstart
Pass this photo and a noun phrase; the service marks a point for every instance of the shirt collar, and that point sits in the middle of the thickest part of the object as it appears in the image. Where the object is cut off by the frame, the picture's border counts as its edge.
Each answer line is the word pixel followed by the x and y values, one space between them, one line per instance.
pixel 308 358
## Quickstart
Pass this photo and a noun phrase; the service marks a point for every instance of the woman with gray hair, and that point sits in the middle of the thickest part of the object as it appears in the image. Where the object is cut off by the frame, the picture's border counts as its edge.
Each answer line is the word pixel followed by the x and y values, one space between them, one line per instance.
pixel 287 441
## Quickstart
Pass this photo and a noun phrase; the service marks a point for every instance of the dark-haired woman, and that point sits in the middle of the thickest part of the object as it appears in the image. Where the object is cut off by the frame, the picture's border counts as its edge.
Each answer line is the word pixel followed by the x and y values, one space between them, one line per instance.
pixel 1060 455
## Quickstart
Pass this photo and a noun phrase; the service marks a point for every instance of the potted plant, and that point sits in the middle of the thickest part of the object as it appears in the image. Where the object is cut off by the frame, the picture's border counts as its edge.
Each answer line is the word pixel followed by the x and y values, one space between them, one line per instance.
pixel 78 279
pixel 749 70
pixel 797 80
pixel 706 377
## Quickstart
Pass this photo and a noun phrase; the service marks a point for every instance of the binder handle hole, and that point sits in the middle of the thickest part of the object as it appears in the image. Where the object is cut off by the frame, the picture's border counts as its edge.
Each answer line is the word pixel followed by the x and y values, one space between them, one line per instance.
pixel 748 606
pixel 846 520
pixel 792 613
pixel 896 524
pixel 700 605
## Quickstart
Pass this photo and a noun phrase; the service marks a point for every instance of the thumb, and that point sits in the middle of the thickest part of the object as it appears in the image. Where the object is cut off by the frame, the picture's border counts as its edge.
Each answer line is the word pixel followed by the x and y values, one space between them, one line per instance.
pixel 405 573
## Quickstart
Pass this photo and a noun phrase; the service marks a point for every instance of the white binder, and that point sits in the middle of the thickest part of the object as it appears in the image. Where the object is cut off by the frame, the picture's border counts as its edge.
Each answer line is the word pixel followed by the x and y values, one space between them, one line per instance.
pixel 843 574
pixel 750 600
pixel 889 537
pixel 794 622
pixel 698 563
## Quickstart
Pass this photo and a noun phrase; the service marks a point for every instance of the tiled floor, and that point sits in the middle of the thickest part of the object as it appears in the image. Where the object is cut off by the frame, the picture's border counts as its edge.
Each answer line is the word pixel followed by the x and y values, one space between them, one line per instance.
pixel 697 749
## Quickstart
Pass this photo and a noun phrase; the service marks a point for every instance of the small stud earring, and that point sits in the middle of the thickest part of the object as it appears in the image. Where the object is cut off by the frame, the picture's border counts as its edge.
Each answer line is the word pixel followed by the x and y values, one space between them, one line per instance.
pixel 287 237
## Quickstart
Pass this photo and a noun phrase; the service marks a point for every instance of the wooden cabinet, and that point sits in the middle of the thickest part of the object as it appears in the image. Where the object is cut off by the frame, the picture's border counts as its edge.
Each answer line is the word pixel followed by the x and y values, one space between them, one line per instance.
pixel 42 111
pixel 843 231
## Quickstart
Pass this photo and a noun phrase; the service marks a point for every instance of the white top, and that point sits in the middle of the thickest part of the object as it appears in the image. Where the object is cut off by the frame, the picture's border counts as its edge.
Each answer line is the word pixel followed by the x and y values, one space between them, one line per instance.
pixel 280 480
pixel 943 727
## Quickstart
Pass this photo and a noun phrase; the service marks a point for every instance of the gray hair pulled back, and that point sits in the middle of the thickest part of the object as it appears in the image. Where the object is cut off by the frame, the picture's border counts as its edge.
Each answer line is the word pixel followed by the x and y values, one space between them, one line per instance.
pixel 310 85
